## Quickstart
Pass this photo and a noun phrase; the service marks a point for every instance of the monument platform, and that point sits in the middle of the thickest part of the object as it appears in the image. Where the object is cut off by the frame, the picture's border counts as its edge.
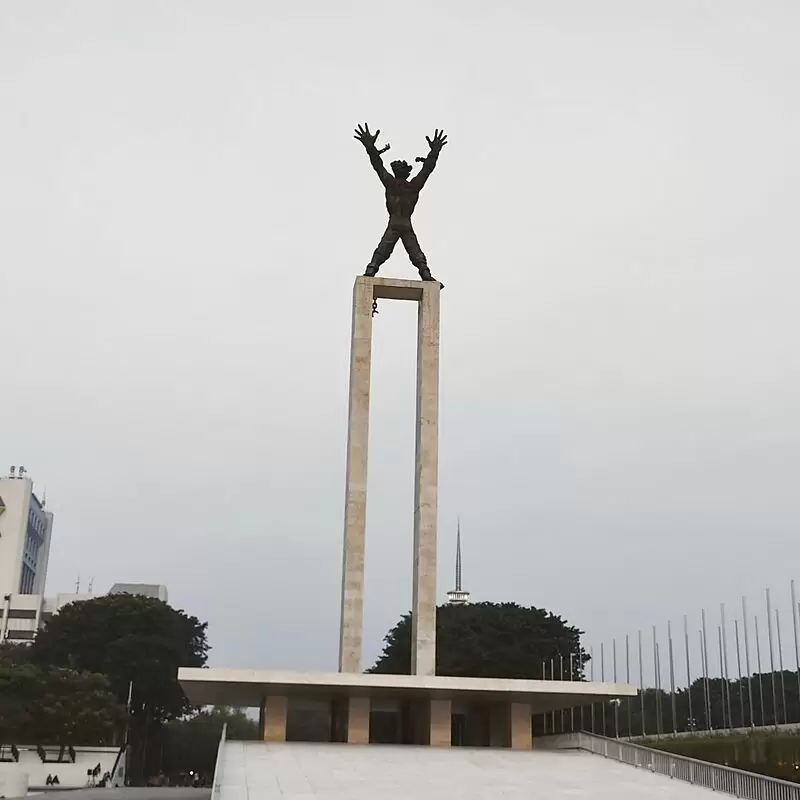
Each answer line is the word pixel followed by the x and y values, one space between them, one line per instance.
pixel 500 709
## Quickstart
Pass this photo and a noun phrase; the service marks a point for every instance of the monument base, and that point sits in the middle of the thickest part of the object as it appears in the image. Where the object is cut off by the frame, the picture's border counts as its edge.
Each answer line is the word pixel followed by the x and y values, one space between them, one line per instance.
pixel 402 709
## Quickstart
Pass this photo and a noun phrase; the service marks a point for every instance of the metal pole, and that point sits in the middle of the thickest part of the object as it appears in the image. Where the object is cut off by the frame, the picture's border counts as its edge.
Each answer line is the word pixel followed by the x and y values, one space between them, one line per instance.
pixel 580 709
pixel 725 672
pixel 561 678
pixel 760 675
pixel 796 646
pixel 629 732
pixel 591 677
pixel 672 681
pixel 706 714
pixel 772 662
pixel 655 681
pixel 641 683
pixel 572 708
pixel 705 673
pixel 659 692
pixel 739 669
pixel 780 664
pixel 721 682
pixel 747 663
pixel 603 679
pixel 553 712
pixel 616 702
pixel 544 678
pixel 688 670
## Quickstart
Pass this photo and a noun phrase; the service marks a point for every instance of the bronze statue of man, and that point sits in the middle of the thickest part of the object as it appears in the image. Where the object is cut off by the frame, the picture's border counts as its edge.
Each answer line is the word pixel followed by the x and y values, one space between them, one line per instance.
pixel 401 198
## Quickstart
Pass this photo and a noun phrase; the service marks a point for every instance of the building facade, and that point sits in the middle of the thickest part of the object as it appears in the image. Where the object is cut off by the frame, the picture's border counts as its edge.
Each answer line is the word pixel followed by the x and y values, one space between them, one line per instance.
pixel 25 531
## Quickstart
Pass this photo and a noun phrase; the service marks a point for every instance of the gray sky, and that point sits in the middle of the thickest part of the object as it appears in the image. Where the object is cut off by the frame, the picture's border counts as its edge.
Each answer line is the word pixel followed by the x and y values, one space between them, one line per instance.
pixel 183 210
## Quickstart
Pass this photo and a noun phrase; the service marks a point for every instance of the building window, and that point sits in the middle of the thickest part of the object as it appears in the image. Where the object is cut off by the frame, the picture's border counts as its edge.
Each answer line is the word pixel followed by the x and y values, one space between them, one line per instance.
pixel 27 580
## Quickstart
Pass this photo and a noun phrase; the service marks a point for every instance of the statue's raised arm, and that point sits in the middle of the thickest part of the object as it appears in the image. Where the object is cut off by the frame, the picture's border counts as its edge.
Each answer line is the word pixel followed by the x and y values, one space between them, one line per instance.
pixel 435 144
pixel 369 141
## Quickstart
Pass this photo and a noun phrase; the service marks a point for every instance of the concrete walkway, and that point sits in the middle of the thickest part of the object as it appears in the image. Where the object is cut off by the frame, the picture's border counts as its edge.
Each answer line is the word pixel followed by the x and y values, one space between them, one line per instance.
pixel 299 771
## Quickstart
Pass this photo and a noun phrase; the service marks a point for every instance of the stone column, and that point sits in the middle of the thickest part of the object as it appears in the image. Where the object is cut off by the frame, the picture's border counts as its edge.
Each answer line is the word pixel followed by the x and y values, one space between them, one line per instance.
pixel 521 726
pixel 441 729
pixel 355 512
pixel 423 608
pixel 358 709
pixel 273 713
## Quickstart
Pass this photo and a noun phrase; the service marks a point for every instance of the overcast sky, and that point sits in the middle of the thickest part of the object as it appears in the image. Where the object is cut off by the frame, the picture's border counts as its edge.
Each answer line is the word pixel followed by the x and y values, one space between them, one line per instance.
pixel 183 210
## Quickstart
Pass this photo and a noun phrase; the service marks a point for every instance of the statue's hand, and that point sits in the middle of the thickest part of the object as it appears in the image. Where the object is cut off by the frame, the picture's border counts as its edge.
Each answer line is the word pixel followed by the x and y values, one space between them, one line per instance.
pixel 438 142
pixel 365 137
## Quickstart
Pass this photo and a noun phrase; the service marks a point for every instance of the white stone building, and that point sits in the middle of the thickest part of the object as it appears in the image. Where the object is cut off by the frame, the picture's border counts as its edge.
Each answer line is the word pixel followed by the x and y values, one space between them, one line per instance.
pixel 25 531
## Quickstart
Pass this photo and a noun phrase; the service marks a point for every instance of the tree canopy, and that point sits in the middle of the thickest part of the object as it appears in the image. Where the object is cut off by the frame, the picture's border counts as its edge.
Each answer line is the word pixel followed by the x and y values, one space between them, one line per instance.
pixel 49 706
pixel 128 638
pixel 491 640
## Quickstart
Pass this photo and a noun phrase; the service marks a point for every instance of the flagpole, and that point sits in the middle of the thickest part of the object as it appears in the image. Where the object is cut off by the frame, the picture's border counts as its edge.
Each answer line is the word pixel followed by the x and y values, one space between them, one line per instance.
pixel 705 672
pixel 796 644
pixel 628 680
pixel 641 683
pixel 747 663
pixel 688 670
pixel 672 681
pixel 760 674
pixel 603 679
pixel 616 702
pixel 725 672
pixel 591 677
pixel 739 668
pixel 780 664
pixel 772 662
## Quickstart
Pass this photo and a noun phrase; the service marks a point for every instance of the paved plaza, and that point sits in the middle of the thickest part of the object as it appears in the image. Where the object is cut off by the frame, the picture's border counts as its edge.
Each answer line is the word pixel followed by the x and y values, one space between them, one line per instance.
pixel 300 771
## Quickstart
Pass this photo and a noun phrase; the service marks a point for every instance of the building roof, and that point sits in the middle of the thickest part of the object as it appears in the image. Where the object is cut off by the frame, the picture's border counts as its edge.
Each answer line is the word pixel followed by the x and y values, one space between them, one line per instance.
pixel 247 687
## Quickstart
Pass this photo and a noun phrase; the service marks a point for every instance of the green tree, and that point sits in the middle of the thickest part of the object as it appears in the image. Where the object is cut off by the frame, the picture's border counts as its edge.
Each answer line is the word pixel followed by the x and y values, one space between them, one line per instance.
pixel 491 640
pixel 52 706
pixel 133 640
pixel 11 653
pixel 190 744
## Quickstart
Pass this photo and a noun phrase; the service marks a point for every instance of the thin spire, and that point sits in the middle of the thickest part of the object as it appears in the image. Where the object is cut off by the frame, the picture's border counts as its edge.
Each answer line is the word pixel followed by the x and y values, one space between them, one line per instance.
pixel 458 557
pixel 458 596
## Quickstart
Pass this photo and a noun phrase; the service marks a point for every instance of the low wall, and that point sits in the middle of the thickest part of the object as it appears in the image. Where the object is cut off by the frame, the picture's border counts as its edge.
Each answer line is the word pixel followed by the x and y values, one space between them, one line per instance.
pixel 13 781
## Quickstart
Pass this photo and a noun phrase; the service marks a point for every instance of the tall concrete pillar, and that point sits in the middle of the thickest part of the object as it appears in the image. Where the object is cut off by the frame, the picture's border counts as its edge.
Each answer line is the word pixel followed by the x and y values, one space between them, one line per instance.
pixel 355 509
pixel 423 646
pixel 423 606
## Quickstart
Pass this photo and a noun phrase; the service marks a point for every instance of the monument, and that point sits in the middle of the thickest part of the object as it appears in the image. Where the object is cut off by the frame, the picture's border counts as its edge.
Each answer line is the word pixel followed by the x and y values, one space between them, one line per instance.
pixel 402 195
pixel 495 712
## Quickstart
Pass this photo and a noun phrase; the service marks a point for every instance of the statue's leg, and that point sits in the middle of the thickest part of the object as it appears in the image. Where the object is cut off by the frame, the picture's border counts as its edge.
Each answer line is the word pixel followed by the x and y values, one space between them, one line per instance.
pixel 411 244
pixel 383 250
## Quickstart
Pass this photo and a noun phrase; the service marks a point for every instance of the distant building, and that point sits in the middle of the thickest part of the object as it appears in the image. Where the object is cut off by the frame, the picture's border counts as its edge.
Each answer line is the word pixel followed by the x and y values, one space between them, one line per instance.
pixel 25 529
pixel 157 591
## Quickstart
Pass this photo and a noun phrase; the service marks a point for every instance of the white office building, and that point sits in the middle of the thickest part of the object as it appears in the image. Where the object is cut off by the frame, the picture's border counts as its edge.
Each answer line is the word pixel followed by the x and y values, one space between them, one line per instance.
pixel 25 529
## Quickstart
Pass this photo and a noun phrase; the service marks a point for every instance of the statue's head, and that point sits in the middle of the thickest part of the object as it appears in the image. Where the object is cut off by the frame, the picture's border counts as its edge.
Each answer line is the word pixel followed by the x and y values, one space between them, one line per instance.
pixel 401 169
